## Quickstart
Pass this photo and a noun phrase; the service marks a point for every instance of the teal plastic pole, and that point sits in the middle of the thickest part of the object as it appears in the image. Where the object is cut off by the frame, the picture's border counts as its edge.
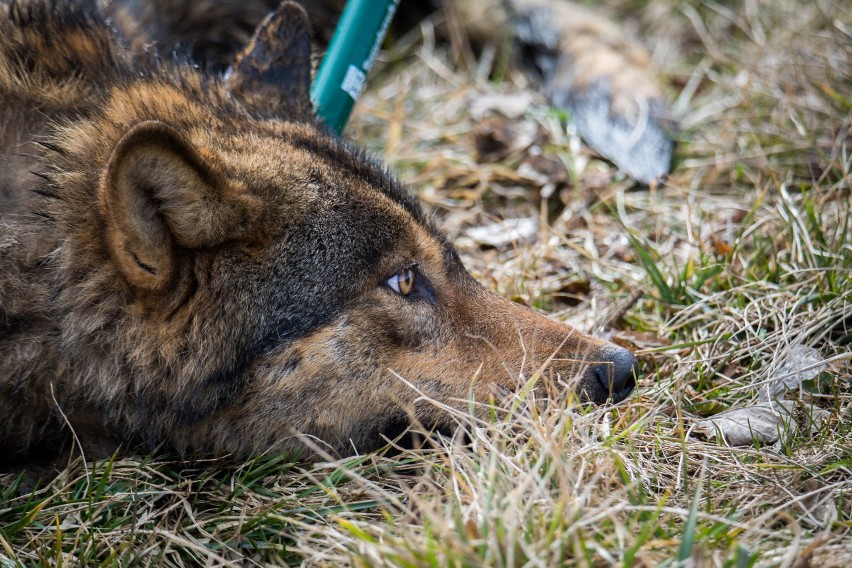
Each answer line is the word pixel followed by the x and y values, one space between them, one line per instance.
pixel 343 71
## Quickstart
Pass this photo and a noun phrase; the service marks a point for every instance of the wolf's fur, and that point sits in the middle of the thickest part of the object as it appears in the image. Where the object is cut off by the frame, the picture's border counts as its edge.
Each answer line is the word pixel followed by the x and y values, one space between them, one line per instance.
pixel 179 269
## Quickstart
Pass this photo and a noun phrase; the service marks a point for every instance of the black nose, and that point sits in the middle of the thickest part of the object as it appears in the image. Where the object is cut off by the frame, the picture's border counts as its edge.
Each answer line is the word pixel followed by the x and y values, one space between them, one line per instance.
pixel 615 371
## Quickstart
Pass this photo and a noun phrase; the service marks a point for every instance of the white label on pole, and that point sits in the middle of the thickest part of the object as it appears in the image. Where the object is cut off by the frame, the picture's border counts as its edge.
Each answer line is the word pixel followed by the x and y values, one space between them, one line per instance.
pixel 353 82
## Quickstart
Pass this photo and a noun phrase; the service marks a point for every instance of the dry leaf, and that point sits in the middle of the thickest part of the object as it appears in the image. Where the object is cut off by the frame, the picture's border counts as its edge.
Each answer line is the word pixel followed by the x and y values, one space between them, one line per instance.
pixel 763 423
pixel 803 364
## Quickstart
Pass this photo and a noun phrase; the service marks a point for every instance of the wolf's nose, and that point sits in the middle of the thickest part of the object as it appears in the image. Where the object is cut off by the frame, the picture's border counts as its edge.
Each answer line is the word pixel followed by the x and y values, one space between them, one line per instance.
pixel 615 371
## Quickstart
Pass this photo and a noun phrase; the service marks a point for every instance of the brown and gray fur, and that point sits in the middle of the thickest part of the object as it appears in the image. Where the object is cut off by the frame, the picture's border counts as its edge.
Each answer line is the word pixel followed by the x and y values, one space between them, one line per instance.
pixel 186 267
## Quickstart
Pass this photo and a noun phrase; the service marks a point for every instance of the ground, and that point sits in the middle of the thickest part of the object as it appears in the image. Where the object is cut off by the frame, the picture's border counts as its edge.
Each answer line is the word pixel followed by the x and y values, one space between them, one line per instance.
pixel 714 277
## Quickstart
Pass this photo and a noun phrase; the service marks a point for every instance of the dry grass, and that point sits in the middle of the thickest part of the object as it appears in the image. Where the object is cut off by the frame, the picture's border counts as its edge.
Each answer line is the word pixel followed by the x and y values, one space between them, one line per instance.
pixel 743 252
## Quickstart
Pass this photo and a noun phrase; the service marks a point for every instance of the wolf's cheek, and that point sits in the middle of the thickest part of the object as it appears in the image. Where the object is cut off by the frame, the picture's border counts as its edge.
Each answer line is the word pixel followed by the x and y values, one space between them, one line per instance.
pixel 413 327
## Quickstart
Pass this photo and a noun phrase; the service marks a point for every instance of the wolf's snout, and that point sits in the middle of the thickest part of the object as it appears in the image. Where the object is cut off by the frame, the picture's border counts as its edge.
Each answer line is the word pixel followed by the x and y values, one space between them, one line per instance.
pixel 615 370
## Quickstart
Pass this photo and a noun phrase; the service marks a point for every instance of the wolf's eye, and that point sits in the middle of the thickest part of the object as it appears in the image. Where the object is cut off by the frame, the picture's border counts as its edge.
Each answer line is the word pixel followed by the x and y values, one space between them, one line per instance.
pixel 403 282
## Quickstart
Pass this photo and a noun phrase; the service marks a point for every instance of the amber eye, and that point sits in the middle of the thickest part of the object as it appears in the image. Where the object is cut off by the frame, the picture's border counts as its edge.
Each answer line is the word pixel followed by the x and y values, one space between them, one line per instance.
pixel 403 282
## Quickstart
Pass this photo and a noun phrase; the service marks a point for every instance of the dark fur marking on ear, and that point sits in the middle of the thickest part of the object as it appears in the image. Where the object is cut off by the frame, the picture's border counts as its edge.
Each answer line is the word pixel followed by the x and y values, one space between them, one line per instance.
pixel 147 268
pixel 51 147
pixel 43 214
pixel 45 193
pixel 42 175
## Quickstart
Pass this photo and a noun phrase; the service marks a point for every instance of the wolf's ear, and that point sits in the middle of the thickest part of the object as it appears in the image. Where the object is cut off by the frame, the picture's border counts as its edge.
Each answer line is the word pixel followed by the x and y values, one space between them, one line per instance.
pixel 272 74
pixel 159 195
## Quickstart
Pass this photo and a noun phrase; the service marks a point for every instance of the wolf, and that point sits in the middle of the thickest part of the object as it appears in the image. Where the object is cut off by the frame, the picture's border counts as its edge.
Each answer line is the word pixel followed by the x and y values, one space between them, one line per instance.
pixel 191 262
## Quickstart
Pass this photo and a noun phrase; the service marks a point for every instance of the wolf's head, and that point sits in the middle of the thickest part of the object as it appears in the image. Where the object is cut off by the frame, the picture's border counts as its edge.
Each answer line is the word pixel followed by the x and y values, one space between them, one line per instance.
pixel 255 277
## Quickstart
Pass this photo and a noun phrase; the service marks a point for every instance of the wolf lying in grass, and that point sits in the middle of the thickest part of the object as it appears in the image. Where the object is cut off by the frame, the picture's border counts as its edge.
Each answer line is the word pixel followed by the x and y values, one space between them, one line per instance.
pixel 195 264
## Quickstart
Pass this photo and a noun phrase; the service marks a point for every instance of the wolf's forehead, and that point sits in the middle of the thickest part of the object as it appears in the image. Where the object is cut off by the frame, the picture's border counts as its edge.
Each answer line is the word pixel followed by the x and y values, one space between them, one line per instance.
pixel 327 188
pixel 341 163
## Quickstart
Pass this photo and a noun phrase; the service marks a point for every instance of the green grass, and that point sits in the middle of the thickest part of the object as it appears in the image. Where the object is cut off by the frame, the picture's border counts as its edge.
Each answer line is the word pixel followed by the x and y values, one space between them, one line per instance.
pixel 710 278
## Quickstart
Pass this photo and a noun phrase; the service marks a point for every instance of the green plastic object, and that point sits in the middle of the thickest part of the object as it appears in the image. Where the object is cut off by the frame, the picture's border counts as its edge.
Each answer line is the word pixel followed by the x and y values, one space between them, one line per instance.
pixel 343 71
